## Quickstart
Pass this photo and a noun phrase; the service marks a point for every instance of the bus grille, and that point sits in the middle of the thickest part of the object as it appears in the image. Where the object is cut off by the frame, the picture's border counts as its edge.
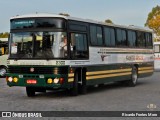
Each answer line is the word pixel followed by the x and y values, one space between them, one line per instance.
pixel 37 70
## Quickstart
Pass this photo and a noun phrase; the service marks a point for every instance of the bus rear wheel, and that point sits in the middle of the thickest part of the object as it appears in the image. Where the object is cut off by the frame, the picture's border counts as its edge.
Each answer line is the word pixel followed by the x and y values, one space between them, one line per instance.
pixel 134 77
pixel 30 91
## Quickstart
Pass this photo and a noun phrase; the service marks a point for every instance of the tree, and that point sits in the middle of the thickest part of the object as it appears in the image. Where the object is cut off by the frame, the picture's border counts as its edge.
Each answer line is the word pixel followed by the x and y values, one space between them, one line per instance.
pixel 4 35
pixel 154 24
pixel 64 14
pixel 153 20
pixel 108 21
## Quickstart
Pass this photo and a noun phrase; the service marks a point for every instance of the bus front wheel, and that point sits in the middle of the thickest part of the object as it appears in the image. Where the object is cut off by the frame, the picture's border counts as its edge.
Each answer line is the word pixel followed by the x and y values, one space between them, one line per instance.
pixel 30 91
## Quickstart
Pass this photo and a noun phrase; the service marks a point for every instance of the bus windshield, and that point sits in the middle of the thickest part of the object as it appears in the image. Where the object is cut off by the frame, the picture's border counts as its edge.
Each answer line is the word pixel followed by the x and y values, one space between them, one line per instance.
pixel 41 45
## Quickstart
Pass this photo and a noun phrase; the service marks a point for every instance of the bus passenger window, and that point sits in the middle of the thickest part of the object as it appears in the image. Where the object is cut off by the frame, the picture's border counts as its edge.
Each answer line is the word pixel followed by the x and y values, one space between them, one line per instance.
pixel 140 39
pixel 96 35
pixel 148 38
pixel 109 36
pixel 131 38
pixel 121 37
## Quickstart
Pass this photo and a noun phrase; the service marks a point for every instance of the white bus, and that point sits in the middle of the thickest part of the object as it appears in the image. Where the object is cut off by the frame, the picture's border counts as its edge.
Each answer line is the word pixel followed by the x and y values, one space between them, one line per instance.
pixel 157 55
pixel 50 51
pixel 3 56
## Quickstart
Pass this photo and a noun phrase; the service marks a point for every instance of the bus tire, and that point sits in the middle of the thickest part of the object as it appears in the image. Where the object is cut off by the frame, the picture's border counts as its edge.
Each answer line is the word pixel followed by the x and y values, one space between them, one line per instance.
pixel 30 91
pixel 74 90
pixel 3 71
pixel 134 77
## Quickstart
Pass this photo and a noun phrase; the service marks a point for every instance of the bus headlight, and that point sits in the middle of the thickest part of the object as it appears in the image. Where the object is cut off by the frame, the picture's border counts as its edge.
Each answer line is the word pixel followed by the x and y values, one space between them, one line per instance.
pixel 56 80
pixel 10 79
pixel 49 81
pixel 15 80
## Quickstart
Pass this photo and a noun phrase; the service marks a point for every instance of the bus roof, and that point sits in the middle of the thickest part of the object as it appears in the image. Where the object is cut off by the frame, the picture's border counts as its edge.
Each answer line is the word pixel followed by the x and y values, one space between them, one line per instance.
pixel 36 15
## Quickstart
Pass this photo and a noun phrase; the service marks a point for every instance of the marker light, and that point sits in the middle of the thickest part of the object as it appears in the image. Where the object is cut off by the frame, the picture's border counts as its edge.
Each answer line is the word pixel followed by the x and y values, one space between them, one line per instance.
pixel 56 80
pixel 15 80
pixel 71 70
pixel 61 80
pixel 49 81
pixel 10 79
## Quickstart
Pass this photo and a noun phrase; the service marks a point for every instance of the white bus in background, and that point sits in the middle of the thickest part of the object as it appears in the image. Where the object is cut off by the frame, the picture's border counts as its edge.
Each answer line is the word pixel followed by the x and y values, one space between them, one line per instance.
pixel 3 56
pixel 157 55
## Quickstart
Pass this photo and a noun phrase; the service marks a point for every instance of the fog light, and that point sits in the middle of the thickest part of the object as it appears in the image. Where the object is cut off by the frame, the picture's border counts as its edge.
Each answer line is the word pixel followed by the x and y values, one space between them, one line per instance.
pixel 49 81
pixel 15 80
pixel 56 80
pixel 10 79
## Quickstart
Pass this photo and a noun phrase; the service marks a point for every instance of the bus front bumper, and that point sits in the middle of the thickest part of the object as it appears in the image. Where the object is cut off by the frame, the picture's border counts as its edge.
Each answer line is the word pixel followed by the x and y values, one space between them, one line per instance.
pixel 34 80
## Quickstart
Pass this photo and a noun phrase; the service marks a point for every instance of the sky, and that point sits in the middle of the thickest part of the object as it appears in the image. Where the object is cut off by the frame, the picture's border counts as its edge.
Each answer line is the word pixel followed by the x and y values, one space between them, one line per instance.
pixel 123 12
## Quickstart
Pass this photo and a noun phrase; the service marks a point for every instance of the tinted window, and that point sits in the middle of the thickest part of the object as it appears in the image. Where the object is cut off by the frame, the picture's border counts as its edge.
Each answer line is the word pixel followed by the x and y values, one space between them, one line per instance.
pixel 99 36
pixel 93 34
pixel 109 36
pixel 140 39
pixel 148 38
pixel 121 37
pixel 77 27
pixel 96 35
pixel 131 38
pixel 124 38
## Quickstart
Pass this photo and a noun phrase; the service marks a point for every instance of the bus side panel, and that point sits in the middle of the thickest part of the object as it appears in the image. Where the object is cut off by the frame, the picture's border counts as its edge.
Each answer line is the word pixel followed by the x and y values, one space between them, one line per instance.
pixel 108 73
pixel 145 69
pixel 119 72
